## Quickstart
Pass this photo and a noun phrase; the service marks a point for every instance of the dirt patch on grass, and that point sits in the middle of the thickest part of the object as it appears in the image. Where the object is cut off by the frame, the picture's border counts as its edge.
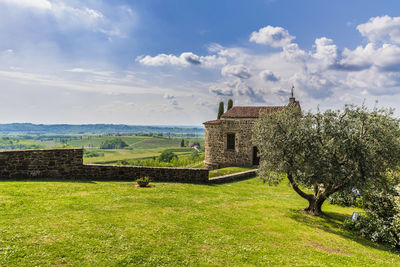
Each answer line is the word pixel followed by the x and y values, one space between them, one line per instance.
pixel 205 248
pixel 237 204
pixel 214 228
pixel 322 247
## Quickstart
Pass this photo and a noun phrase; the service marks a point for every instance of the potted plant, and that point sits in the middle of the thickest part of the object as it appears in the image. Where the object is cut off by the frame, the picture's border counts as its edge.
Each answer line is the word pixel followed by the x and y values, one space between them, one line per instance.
pixel 143 181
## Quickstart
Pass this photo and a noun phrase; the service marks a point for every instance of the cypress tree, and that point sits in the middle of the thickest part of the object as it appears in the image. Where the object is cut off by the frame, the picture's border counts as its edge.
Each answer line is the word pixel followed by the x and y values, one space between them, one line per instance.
pixel 230 104
pixel 220 109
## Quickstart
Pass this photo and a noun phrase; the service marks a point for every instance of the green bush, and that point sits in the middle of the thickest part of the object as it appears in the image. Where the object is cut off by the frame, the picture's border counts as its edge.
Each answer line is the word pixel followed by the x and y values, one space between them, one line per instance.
pixel 115 143
pixel 183 161
pixel 381 222
pixel 345 198
pixel 92 154
pixel 167 156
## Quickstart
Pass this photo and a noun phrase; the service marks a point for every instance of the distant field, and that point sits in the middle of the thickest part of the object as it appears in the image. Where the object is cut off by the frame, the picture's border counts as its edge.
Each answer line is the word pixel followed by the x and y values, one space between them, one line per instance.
pixel 95 141
pixel 248 223
pixel 113 155
pixel 7 143
pixel 140 147
pixel 134 142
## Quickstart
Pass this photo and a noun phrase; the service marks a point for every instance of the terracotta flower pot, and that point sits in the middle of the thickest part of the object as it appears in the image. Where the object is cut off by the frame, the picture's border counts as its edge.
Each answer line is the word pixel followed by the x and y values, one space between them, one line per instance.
pixel 142 184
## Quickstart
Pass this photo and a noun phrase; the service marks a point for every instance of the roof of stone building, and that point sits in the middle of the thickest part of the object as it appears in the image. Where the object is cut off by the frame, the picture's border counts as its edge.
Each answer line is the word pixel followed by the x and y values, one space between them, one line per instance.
pixel 212 122
pixel 249 112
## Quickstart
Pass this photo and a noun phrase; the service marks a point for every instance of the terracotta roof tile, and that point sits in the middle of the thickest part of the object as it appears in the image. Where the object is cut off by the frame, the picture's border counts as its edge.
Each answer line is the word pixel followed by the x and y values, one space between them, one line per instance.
pixel 249 112
pixel 212 122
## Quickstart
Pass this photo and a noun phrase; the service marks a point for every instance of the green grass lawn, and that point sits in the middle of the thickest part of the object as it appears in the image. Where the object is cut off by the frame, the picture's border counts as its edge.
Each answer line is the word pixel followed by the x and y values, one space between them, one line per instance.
pixel 114 224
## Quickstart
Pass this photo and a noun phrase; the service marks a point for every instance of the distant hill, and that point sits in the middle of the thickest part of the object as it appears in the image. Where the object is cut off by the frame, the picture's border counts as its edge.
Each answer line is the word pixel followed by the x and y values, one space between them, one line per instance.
pixel 29 128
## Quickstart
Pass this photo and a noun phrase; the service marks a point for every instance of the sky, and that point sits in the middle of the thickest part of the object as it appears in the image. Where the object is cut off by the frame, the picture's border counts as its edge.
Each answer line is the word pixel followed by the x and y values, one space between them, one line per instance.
pixel 160 62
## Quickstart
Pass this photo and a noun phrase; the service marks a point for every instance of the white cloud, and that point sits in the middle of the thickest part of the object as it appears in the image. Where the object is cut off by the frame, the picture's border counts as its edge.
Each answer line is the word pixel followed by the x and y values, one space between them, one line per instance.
pixel 214 47
pixel 326 51
pixel 239 71
pixel 221 90
pixel 239 89
pixel 292 52
pixel 322 74
pixel 323 71
pixel 374 81
pixel 185 59
pixel 386 58
pixel 168 96
pixel 359 58
pixel 317 85
pixel 268 76
pixel 90 71
pixel 381 29
pixel 273 36
pixel 39 4
pixel 74 15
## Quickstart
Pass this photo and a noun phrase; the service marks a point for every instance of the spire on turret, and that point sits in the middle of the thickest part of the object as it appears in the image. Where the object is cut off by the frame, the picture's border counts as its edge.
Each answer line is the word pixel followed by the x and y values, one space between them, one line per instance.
pixel 292 100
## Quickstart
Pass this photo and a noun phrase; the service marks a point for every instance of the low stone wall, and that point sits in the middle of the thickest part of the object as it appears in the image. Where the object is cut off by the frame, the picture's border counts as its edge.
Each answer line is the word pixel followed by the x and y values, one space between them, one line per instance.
pixel 162 174
pixel 46 163
pixel 68 164
pixel 233 177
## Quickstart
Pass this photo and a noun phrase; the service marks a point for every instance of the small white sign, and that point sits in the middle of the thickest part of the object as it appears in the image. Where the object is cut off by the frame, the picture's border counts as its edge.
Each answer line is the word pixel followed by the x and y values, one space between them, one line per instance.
pixel 354 216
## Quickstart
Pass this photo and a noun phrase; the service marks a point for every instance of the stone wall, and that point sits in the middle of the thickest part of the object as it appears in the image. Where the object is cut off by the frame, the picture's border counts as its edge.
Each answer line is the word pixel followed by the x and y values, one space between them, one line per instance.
pixel 233 177
pixel 49 163
pixel 162 174
pixel 217 155
pixel 68 164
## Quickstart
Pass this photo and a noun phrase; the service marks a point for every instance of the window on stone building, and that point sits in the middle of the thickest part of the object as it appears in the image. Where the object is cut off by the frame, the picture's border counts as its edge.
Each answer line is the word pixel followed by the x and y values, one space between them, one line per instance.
pixel 230 141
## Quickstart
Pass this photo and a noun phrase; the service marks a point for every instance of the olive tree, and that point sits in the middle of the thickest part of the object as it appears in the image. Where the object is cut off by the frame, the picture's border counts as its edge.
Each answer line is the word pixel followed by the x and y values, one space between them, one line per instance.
pixel 323 153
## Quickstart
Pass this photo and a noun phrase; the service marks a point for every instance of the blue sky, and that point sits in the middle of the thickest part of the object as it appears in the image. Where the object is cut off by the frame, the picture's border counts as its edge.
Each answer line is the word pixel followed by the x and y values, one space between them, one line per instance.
pixel 171 62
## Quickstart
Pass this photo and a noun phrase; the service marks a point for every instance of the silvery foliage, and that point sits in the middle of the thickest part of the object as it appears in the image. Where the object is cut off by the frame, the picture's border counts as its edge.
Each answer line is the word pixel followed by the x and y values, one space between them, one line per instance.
pixel 327 152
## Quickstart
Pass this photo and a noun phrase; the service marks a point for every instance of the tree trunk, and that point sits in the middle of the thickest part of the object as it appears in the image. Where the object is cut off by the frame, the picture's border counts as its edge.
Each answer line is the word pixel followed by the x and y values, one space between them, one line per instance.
pixel 314 206
pixel 315 200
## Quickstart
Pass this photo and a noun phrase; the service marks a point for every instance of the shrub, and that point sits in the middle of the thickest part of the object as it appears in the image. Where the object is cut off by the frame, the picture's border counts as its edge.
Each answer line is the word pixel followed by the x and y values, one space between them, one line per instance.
pixel 230 104
pixel 166 156
pixel 115 143
pixel 346 198
pixel 220 110
pixel 195 155
pixel 92 154
pixel 183 161
pixel 382 211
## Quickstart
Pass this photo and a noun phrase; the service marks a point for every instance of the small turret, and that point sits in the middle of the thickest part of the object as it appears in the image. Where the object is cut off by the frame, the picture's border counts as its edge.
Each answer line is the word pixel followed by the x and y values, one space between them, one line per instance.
pixel 292 99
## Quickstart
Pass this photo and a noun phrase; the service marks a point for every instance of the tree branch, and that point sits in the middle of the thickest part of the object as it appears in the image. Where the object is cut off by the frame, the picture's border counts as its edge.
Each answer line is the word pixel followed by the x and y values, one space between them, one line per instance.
pixel 297 189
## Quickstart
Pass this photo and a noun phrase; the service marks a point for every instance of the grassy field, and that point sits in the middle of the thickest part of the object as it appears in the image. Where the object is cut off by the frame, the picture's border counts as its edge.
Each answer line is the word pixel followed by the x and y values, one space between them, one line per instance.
pixel 140 147
pixel 247 223
pixel 134 142
pixel 111 156
pixel 8 143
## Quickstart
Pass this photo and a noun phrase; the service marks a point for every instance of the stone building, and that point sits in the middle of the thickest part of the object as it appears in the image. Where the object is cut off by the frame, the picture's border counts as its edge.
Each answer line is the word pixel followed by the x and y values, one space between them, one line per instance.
pixel 228 140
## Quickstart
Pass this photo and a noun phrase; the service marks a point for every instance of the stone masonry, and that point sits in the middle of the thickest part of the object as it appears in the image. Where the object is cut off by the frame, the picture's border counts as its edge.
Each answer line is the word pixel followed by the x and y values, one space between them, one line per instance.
pixel 68 164
pixel 237 122
pixel 46 163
